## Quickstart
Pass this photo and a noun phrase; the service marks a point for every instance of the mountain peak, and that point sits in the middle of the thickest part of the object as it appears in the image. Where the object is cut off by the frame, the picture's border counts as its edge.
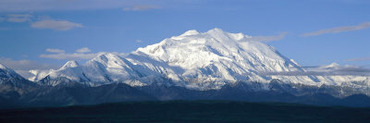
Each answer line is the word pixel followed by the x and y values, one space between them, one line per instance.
pixel 105 57
pixel 221 35
pixel 218 55
pixel 70 64
pixel 6 72
pixel 331 66
pixel 190 32
pixel 215 30
pixel 2 67
pixel 110 60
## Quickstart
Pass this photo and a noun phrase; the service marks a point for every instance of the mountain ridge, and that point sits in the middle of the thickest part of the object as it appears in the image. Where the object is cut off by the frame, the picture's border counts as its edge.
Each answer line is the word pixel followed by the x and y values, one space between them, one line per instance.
pixel 23 93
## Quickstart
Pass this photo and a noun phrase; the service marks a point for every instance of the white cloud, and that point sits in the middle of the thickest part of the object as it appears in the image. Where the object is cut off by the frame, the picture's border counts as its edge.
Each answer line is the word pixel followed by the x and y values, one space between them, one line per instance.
pixel 339 29
pixel 358 59
pixel 61 5
pixel 141 8
pixel 268 38
pixel 61 25
pixel 83 50
pixel 54 50
pixel 81 53
pixel 18 18
pixel 23 64
pixel 139 41
pixel 326 70
pixel 44 23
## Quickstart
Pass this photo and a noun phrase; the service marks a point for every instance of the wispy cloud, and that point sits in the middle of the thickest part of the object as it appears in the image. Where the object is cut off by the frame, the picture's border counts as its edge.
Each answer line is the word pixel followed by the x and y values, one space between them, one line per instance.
pixel 339 29
pixel 353 72
pixel 329 70
pixel 70 56
pixel 66 5
pixel 44 23
pixel 18 18
pixel 268 38
pixel 80 54
pixel 141 8
pixel 83 50
pixel 358 59
pixel 61 25
pixel 139 41
pixel 24 64
pixel 51 50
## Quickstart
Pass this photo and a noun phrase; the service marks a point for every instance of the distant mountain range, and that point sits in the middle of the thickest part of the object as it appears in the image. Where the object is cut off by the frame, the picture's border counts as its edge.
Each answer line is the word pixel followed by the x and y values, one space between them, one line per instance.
pixel 214 65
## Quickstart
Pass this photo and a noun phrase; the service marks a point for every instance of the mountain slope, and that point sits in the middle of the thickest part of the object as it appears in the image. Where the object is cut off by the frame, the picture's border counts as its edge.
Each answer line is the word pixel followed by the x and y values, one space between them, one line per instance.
pixel 106 68
pixel 13 87
pixel 7 73
pixel 216 58
pixel 11 78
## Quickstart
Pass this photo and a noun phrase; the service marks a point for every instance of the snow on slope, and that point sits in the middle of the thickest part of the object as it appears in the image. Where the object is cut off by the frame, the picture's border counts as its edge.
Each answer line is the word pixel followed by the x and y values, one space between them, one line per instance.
pixel 104 69
pixel 335 74
pixel 218 57
pixel 194 60
pixel 7 73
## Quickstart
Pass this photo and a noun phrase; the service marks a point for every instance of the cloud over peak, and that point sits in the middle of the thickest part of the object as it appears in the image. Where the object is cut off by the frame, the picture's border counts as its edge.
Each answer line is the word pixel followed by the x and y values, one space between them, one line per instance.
pixel 59 54
pixel 23 66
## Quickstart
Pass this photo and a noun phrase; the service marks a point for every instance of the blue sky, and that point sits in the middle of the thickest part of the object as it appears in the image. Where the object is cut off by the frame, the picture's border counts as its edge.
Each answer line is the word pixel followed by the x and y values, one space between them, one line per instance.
pixel 317 32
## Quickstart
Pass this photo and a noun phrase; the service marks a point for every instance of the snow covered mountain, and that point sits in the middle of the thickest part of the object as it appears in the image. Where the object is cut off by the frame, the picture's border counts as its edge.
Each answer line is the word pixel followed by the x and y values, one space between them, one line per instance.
pixel 194 60
pixel 12 85
pixel 212 59
pixel 106 68
pixel 213 65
